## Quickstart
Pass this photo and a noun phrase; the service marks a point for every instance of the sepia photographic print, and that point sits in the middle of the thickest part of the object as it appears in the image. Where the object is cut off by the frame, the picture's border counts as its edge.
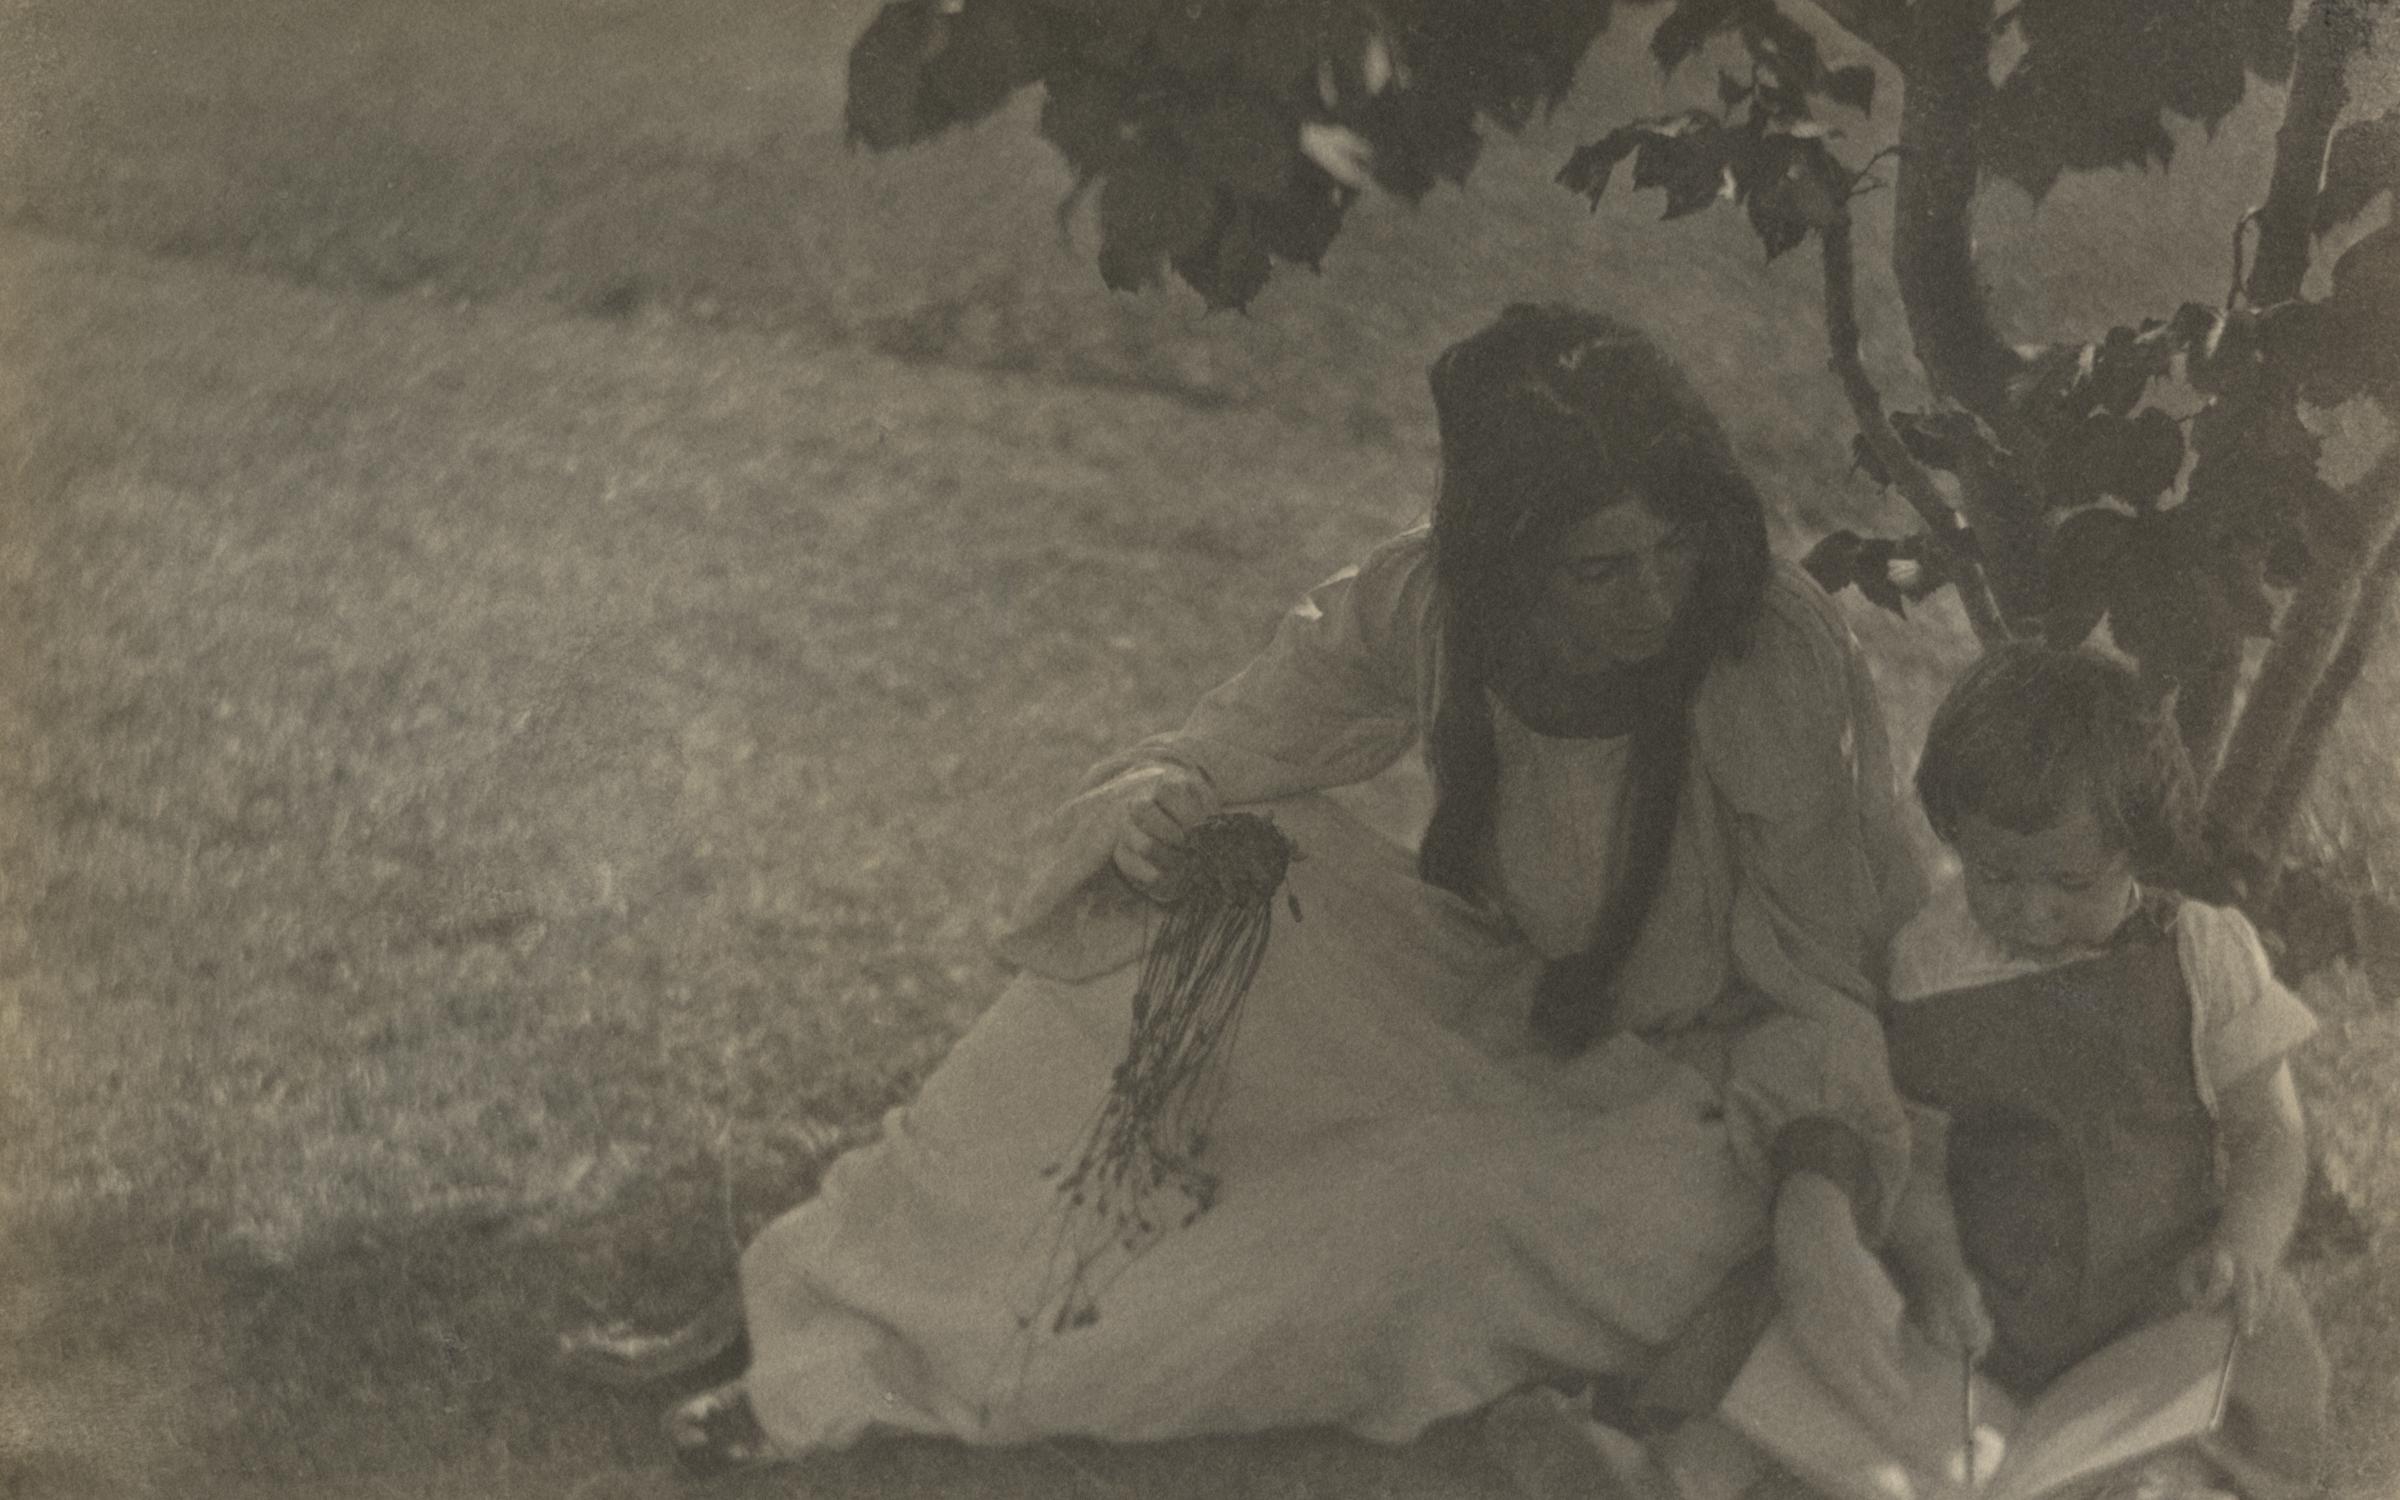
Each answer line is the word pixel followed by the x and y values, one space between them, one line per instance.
pixel 1200 749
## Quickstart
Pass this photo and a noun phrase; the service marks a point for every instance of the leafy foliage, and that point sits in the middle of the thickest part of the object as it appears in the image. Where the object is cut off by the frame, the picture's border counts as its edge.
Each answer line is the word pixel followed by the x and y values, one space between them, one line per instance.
pixel 1198 120
pixel 2163 472
pixel 1762 148
pixel 1890 573
pixel 2098 78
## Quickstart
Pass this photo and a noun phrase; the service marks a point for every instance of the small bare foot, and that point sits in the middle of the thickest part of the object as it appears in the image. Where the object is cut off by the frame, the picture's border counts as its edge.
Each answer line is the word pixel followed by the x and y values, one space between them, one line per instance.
pixel 716 1431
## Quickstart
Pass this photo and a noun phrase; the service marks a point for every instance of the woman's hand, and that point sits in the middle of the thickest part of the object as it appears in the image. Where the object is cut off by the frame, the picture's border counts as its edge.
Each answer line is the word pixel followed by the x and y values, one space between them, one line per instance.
pixel 1841 1307
pixel 1158 805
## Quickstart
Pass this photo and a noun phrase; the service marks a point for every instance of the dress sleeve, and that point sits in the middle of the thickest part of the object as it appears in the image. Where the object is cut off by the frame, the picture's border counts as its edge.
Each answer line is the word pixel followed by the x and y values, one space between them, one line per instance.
pixel 2243 1017
pixel 1332 700
pixel 1792 738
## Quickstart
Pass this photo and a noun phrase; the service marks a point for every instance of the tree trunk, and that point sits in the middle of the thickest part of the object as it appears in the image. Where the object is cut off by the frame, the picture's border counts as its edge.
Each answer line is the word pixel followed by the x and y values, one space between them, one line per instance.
pixel 2261 756
pixel 2377 595
pixel 1933 260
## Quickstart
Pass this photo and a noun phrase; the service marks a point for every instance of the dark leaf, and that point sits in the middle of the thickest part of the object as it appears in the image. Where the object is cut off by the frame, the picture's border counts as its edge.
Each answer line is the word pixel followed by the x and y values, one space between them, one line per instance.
pixel 887 63
pixel 2133 458
pixel 1150 208
pixel 1785 49
pixel 1126 27
pixel 1689 26
pixel 1853 86
pixel 1778 217
pixel 2192 323
pixel 2363 163
pixel 2147 460
pixel 1780 101
pixel 2254 454
pixel 1690 165
pixel 2124 363
pixel 1233 267
pixel 2098 78
pixel 1199 38
pixel 1420 138
pixel 1834 559
pixel 988 52
pixel 1300 224
pixel 2163 616
pixel 1083 116
pixel 1246 145
pixel 1758 157
pixel 1284 42
pixel 1872 573
pixel 1588 170
pixel 1921 556
pixel 2366 291
pixel 1886 572
pixel 2082 559
pixel 1523 87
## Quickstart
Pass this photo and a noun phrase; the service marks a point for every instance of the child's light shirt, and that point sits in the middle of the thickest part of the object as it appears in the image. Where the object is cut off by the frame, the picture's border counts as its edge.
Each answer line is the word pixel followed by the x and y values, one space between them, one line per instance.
pixel 2244 1018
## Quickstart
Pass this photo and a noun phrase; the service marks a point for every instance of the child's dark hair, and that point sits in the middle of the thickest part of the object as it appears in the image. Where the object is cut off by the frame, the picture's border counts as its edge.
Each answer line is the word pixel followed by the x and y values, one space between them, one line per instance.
pixel 2032 732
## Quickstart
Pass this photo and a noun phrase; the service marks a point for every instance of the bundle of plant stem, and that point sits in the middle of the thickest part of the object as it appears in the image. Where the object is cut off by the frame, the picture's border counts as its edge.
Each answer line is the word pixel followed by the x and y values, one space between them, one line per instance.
pixel 1137 1172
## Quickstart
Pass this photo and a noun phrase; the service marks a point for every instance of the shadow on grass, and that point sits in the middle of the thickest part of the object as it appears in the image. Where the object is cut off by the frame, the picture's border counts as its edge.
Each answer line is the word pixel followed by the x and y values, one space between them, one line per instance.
pixel 145 1359
pixel 141 1359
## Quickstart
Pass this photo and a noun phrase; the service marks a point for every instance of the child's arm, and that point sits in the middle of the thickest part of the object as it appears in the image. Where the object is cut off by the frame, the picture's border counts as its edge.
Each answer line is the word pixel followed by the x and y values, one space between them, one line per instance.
pixel 1923 1243
pixel 2266 1170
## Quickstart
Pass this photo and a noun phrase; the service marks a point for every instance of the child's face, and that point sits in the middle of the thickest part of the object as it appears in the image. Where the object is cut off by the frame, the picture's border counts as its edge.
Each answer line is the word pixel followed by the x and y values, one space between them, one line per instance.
pixel 2046 894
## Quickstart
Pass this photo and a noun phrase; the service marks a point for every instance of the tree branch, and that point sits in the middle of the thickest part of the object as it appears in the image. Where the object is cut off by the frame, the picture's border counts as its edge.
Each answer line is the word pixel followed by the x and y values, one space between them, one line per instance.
pixel 1866 406
pixel 1881 24
pixel 2329 34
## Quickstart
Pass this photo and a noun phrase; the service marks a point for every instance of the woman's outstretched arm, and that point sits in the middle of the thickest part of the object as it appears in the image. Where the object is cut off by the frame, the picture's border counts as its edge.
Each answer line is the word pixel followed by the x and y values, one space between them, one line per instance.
pixel 1332 700
pixel 1334 697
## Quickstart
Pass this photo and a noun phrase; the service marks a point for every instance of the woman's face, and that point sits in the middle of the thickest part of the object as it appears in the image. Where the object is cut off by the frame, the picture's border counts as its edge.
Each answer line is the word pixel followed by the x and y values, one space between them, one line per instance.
pixel 1609 595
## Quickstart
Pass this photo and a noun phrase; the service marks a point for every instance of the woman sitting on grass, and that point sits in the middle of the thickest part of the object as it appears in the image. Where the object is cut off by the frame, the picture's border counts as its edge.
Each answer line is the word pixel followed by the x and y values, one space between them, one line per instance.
pixel 1500 1113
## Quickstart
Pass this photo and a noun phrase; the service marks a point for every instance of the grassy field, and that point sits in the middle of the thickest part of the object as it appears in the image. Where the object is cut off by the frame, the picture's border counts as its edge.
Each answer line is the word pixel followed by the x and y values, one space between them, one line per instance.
pixel 543 598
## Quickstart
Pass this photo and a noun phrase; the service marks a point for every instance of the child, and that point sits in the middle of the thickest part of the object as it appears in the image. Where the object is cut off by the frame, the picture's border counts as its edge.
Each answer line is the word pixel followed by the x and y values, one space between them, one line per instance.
pixel 2106 1128
pixel 2112 1131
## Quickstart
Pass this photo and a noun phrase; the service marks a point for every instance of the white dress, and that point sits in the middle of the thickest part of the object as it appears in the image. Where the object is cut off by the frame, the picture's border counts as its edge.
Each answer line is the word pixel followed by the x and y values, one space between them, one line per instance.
pixel 1417 1209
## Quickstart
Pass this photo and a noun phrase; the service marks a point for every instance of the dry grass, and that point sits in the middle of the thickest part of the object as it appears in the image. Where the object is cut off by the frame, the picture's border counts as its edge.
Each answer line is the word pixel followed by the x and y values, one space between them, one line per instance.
pixel 516 711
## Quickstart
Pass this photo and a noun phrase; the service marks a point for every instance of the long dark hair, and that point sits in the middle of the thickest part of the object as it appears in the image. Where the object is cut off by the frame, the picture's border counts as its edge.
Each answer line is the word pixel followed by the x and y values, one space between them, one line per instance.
pixel 1547 416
